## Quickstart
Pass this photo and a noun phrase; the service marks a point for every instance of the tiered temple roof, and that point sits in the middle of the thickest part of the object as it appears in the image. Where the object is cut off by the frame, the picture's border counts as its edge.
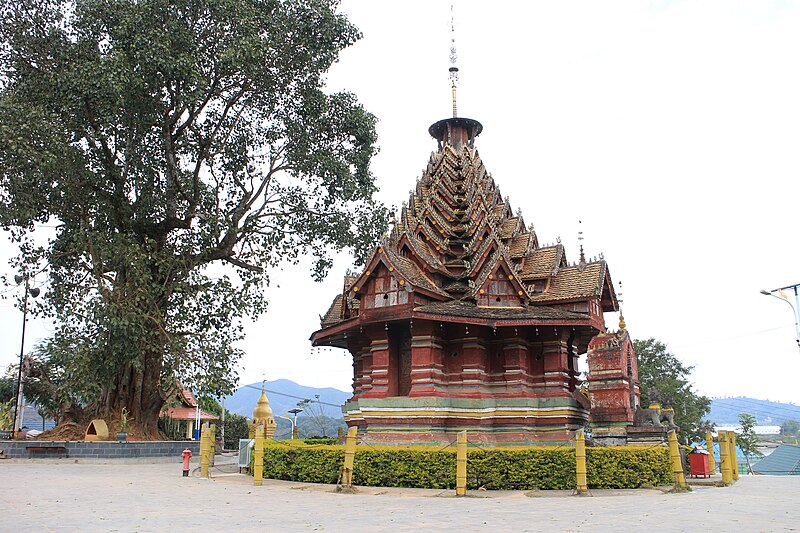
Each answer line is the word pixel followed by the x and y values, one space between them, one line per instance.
pixel 459 244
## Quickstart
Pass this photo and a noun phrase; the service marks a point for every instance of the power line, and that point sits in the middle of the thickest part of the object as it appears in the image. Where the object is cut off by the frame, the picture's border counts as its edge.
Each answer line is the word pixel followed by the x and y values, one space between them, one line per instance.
pixel 291 396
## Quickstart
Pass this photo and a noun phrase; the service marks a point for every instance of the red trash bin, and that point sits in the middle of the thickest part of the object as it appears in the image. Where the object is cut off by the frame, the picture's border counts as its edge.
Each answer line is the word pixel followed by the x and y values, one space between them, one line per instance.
pixel 698 463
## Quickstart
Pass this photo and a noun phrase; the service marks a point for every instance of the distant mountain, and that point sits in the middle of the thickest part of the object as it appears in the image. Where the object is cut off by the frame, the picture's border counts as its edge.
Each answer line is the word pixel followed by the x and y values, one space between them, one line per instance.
pixel 283 394
pixel 767 413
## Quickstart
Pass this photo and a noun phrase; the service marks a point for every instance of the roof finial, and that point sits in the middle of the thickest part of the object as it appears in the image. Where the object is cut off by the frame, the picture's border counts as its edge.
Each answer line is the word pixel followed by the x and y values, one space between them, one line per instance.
pixel 453 57
pixel 622 325
pixel 582 262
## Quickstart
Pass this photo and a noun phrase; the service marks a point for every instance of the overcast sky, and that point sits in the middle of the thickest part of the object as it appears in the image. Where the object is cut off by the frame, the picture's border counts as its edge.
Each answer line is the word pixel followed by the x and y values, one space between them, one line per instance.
pixel 671 129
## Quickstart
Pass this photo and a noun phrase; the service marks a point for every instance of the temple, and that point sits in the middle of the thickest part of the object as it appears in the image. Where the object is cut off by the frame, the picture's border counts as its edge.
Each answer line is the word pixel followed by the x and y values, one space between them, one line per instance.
pixel 462 320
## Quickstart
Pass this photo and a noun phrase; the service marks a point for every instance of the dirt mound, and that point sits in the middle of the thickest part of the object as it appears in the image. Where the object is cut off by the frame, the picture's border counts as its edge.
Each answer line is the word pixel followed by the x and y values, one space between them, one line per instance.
pixel 67 431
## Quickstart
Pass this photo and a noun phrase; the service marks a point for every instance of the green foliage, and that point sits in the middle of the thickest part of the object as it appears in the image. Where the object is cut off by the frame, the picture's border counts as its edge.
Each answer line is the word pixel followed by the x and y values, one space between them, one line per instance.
pixel 498 469
pixel 7 415
pixel 405 467
pixel 524 469
pixel 8 389
pixel 235 429
pixel 318 464
pixel 790 427
pixel 746 439
pixel 322 440
pixel 48 383
pixel 628 467
pixel 663 378
pixel 210 405
pixel 171 428
pixel 124 420
pixel 162 139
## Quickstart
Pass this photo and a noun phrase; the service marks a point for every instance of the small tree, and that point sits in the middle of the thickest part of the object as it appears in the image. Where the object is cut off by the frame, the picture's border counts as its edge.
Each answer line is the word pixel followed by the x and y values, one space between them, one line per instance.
pixel 747 438
pixel 664 378
pixel 235 429
pixel 316 415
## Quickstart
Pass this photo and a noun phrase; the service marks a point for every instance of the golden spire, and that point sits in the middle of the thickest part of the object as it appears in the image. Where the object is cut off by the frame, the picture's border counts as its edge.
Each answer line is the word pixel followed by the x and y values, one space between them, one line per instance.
pixel 621 321
pixel 262 411
pixel 453 57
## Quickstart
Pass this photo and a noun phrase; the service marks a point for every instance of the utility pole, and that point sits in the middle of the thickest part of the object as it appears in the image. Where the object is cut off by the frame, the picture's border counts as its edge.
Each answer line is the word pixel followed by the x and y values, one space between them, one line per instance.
pixel 34 292
pixel 795 307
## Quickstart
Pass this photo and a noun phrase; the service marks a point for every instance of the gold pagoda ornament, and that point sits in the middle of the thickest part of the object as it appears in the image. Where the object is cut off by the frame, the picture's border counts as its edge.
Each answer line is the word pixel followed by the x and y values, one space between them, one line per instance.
pixel 262 416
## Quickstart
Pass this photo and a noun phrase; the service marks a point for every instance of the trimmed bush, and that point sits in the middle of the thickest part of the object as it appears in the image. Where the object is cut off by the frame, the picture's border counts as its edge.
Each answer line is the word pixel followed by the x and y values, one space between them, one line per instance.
pixel 493 468
pixel 628 467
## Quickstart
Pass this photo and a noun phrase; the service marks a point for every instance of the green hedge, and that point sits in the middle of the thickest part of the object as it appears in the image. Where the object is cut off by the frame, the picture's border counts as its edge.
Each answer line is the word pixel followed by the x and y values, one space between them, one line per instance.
pixel 499 469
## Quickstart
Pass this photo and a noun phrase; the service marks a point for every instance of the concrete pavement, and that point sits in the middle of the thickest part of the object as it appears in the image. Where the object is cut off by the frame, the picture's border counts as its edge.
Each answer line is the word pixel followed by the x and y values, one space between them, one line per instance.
pixel 65 496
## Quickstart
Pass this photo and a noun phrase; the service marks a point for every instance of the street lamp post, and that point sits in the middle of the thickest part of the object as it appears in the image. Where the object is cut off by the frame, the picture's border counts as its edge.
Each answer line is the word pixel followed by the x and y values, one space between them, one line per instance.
pixel 294 413
pixel 795 307
pixel 34 292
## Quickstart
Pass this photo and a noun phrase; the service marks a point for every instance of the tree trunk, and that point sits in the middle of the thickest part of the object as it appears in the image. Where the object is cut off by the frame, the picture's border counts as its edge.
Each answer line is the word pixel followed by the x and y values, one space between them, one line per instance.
pixel 138 390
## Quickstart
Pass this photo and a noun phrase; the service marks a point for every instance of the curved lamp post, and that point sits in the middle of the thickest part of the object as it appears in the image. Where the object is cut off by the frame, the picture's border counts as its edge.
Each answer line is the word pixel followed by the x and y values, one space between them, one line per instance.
pixel 33 292
pixel 294 413
pixel 795 307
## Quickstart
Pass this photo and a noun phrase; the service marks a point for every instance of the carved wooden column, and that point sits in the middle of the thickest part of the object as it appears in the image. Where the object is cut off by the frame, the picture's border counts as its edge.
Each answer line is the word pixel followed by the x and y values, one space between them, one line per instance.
pixel 556 370
pixel 379 359
pixel 427 361
pixel 475 359
pixel 516 355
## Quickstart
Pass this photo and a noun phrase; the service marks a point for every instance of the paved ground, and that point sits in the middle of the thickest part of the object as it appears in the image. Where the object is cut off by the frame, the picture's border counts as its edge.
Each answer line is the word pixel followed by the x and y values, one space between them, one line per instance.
pixel 64 496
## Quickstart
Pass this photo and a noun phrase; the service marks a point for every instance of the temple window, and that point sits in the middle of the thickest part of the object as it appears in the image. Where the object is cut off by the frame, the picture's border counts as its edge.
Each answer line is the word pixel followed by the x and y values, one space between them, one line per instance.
pixel 384 290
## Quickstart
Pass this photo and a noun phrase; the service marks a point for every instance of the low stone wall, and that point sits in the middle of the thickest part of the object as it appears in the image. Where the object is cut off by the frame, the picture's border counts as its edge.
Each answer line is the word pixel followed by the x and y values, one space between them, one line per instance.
pixel 23 449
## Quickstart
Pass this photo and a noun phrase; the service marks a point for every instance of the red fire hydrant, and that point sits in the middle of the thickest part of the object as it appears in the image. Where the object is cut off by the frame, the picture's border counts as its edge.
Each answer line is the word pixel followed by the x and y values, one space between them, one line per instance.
pixel 187 454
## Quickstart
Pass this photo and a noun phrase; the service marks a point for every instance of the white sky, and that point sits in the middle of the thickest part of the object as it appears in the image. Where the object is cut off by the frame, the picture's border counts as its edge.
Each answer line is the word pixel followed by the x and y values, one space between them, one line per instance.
pixel 669 128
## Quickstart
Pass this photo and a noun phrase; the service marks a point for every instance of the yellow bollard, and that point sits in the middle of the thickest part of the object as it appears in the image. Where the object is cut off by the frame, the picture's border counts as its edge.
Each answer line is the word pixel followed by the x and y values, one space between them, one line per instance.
pixel 461 464
pixel 349 457
pixel 677 466
pixel 734 460
pixel 204 432
pixel 258 457
pixel 580 463
pixel 710 447
pixel 724 458
pixel 212 444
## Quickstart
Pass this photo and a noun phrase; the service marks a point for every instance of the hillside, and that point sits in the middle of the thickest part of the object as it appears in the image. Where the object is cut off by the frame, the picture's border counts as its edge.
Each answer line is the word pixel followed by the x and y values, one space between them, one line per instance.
pixel 726 411
pixel 283 395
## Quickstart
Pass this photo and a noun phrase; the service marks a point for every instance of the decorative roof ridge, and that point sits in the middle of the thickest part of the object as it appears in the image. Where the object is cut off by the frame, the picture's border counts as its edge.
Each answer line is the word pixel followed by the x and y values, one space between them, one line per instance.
pixel 433 236
pixel 485 244
pixel 326 319
pixel 559 259
pixel 420 250
pixel 401 264
pixel 489 266
pixel 517 221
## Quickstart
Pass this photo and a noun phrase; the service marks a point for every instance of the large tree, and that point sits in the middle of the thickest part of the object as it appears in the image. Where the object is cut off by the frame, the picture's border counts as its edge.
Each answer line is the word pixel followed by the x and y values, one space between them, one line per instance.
pixel 663 378
pixel 179 148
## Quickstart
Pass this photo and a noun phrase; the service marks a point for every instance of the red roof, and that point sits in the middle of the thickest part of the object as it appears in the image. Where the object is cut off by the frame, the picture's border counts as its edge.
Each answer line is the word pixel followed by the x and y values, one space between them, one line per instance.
pixel 187 398
pixel 187 413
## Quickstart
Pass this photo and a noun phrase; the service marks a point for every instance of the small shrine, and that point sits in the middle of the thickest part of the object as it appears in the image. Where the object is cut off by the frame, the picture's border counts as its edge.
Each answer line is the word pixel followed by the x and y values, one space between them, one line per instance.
pixel 262 416
pixel 183 408
pixel 462 320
